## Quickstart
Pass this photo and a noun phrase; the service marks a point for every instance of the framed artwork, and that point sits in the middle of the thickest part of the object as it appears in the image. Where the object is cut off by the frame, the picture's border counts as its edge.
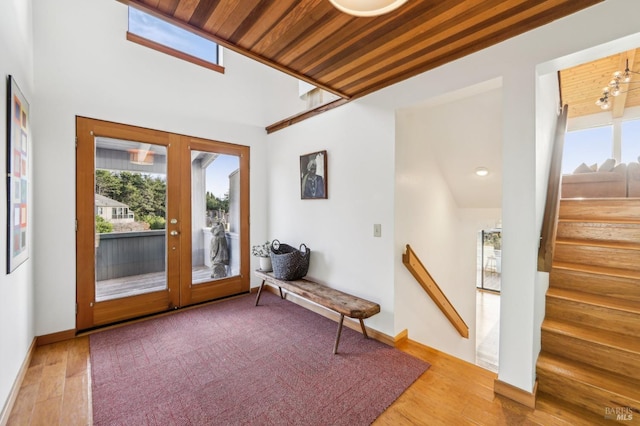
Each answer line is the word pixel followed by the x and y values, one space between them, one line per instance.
pixel 18 134
pixel 313 175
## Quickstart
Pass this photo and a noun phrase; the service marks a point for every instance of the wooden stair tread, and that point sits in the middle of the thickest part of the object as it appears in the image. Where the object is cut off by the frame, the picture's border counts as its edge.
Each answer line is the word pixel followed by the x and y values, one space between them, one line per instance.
pixel 600 270
pixel 595 300
pixel 611 339
pixel 571 414
pixel 592 376
pixel 598 243
pixel 604 222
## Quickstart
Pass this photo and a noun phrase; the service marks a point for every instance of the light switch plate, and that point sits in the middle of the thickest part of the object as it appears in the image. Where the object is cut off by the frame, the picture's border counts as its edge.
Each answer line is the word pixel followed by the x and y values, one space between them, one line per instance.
pixel 377 230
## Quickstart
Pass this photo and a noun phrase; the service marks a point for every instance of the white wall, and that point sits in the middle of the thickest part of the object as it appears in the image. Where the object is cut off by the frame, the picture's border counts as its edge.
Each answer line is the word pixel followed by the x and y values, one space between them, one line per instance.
pixel 17 288
pixel 514 61
pixel 339 230
pixel 547 112
pixel 427 219
pixel 85 66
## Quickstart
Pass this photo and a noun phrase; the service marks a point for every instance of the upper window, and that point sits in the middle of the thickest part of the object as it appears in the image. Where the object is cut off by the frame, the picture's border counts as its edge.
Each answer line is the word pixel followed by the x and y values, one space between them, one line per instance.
pixel 589 146
pixel 630 151
pixel 168 38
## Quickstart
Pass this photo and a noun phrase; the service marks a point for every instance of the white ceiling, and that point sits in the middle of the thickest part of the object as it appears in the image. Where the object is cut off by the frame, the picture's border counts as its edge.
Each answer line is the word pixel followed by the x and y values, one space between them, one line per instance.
pixel 465 130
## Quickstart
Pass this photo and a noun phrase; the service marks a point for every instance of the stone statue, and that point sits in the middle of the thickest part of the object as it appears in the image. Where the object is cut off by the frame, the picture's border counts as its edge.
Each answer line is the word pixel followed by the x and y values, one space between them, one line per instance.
pixel 219 251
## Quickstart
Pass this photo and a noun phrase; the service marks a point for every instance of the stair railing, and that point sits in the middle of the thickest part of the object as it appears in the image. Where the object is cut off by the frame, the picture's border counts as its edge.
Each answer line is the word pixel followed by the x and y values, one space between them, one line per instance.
pixel 420 273
pixel 551 208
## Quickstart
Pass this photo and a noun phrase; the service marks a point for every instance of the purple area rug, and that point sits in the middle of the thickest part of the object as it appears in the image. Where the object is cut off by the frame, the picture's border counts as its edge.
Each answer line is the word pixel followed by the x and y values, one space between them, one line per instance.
pixel 234 363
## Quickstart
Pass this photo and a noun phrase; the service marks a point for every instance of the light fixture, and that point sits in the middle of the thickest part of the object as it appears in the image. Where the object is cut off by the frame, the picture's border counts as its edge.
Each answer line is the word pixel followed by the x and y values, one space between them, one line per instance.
pixel 367 7
pixel 482 171
pixel 141 157
pixel 613 89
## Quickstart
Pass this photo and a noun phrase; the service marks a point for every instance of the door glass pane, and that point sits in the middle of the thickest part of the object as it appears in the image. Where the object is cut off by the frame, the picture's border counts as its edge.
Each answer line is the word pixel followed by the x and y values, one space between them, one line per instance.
pixel 215 207
pixel 130 211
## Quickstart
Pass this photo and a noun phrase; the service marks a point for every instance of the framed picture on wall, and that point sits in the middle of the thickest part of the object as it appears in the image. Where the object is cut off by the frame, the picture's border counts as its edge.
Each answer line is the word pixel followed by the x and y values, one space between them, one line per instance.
pixel 313 175
pixel 18 128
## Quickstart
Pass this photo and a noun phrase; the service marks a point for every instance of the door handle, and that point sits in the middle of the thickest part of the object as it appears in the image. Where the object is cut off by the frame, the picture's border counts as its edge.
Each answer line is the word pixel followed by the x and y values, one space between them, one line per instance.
pixel 174 233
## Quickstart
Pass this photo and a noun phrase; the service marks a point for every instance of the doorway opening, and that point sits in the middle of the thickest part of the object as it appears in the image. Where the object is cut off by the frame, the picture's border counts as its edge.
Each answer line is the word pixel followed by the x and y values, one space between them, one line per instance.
pixel 489 270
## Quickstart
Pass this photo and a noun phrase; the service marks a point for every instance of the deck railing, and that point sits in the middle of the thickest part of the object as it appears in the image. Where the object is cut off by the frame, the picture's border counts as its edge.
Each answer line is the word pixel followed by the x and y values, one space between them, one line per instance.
pixel 122 254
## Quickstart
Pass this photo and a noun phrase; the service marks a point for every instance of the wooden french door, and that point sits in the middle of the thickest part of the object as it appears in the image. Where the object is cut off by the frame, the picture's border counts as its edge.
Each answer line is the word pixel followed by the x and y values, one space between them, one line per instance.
pixel 157 229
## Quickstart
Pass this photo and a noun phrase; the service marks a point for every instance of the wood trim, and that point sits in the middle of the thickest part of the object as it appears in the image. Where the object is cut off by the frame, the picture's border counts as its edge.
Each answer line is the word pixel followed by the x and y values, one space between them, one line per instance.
pixel 552 205
pixel 304 115
pixel 332 315
pixel 401 338
pixel 173 52
pixel 516 394
pixel 15 388
pixel 60 336
pixel 420 273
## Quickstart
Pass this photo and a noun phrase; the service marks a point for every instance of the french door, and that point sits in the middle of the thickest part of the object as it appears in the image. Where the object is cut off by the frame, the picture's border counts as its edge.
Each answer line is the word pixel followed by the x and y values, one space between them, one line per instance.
pixel 162 221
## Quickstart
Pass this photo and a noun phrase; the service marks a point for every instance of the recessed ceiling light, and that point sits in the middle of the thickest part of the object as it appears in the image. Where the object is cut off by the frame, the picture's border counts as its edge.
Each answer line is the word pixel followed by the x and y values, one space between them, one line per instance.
pixel 482 171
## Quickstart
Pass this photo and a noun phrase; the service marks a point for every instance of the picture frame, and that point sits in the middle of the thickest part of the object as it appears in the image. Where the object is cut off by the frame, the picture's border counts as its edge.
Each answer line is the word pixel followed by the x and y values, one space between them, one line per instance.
pixel 18 138
pixel 313 176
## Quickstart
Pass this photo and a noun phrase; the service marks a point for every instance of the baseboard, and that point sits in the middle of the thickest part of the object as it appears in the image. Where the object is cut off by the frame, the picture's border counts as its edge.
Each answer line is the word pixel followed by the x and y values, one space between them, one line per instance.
pixel 15 389
pixel 332 315
pixel 516 394
pixel 401 337
pixel 60 336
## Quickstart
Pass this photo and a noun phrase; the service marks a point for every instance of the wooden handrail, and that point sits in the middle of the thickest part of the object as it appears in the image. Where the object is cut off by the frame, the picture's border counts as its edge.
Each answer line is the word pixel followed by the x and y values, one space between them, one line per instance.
pixel 550 219
pixel 420 273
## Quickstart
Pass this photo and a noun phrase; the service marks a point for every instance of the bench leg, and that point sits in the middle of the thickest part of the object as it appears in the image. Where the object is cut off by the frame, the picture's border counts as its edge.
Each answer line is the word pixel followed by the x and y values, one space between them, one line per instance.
pixel 335 347
pixel 364 330
pixel 259 292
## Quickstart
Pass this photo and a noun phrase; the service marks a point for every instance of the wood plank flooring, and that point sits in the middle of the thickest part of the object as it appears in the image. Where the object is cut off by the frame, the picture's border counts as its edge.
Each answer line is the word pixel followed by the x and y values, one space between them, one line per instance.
pixel 56 391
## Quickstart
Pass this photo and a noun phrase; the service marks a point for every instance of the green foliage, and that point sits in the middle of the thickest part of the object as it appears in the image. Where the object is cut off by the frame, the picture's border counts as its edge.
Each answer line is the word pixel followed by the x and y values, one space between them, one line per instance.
pixel 144 194
pixel 102 226
pixel 215 204
pixel 155 222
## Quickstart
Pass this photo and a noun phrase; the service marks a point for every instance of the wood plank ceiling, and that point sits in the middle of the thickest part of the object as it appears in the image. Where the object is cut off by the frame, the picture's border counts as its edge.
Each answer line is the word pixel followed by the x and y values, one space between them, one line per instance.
pixel 581 86
pixel 353 56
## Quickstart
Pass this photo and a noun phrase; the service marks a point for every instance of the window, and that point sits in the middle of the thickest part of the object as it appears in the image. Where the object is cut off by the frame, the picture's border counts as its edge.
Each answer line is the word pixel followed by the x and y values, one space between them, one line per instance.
pixel 173 40
pixel 630 150
pixel 589 146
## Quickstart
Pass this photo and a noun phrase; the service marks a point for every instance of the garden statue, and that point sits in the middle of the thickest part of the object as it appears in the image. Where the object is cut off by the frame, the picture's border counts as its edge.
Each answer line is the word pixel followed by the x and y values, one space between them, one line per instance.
pixel 219 251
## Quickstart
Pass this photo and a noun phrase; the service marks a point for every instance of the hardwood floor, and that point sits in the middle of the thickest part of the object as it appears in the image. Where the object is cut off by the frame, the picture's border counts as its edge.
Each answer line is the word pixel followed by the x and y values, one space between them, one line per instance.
pixel 56 391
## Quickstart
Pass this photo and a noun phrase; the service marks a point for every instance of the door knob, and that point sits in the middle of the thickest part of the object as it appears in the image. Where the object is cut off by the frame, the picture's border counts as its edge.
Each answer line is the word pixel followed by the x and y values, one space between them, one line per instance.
pixel 174 233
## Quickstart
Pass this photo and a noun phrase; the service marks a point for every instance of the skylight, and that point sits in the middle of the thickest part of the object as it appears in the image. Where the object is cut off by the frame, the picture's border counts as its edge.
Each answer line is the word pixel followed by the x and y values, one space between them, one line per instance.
pixel 159 31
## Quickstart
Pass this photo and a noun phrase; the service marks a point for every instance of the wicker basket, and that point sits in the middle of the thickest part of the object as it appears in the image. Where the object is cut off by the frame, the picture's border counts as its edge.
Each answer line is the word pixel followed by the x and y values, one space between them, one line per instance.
pixel 288 262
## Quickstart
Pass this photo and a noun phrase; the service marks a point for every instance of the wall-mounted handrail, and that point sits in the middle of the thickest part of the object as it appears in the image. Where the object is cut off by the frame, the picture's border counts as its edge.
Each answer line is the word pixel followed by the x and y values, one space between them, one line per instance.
pixel 551 208
pixel 420 273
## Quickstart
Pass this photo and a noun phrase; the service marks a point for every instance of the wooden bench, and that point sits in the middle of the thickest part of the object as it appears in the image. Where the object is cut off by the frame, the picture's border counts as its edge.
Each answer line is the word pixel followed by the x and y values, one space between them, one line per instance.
pixel 336 300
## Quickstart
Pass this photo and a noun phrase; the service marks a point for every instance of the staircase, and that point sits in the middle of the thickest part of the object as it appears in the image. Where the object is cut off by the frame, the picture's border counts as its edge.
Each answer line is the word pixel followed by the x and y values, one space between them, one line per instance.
pixel 590 358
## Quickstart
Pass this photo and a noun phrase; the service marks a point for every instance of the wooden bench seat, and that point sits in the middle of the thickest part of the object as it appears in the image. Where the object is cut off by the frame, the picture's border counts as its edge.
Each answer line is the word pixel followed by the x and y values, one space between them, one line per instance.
pixel 336 300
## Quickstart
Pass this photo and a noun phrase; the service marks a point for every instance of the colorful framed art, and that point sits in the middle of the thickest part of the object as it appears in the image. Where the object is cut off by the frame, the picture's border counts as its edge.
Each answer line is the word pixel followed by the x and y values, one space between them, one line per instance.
pixel 18 134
